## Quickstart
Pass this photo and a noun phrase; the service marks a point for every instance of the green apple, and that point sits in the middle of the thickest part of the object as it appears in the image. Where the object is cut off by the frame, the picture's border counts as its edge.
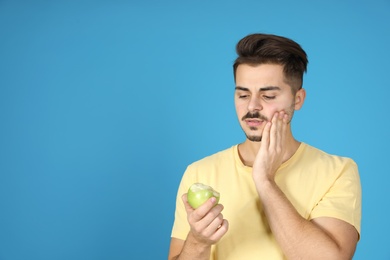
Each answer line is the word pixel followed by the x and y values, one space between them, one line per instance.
pixel 199 193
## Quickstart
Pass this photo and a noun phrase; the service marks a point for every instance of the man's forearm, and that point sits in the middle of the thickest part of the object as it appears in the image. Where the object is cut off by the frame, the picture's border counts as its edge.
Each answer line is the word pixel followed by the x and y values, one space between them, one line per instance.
pixel 298 237
pixel 192 250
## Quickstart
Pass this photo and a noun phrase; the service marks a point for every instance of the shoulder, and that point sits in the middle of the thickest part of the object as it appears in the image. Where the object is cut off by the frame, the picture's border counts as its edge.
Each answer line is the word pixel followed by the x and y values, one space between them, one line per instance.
pixel 326 161
pixel 209 168
pixel 317 154
pixel 216 158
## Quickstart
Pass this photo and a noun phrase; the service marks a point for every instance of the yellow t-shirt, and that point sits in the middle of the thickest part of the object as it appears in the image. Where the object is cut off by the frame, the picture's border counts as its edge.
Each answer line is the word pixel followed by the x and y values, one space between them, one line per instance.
pixel 316 183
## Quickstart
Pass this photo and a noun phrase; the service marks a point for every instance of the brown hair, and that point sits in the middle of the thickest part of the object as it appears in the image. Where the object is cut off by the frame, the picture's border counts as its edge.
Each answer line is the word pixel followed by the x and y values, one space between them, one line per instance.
pixel 256 49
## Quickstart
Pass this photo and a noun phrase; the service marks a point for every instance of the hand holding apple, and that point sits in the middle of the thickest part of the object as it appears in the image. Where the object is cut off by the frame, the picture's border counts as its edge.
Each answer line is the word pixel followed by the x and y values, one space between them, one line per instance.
pixel 199 193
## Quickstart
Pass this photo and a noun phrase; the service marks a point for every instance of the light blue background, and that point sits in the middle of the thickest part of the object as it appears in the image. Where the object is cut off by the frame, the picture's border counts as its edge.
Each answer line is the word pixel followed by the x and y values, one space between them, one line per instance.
pixel 103 104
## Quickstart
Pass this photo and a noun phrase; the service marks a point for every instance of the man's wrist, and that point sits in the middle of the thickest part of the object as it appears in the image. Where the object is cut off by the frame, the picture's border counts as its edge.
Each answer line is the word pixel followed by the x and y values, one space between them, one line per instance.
pixel 197 243
pixel 264 183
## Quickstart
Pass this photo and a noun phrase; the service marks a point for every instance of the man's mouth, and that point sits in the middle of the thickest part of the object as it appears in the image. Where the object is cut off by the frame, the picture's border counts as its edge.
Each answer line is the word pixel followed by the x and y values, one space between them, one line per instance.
pixel 254 122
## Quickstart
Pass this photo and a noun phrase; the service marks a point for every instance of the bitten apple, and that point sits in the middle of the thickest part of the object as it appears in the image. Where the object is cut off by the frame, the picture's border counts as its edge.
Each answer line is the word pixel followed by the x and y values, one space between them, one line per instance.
pixel 199 193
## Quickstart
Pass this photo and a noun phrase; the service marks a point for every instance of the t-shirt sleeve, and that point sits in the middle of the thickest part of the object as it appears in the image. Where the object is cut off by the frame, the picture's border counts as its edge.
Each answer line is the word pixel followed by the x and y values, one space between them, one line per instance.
pixel 180 225
pixel 343 199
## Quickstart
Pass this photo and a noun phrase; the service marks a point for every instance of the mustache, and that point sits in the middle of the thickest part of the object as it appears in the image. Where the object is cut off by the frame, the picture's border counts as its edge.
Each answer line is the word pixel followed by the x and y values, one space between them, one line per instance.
pixel 257 115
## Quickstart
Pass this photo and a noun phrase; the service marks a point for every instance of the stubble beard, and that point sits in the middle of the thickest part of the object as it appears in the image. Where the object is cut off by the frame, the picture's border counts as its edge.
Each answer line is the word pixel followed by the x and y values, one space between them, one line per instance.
pixel 254 138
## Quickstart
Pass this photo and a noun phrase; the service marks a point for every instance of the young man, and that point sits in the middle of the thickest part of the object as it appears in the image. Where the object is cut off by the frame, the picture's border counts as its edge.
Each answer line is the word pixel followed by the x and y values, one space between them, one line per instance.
pixel 280 198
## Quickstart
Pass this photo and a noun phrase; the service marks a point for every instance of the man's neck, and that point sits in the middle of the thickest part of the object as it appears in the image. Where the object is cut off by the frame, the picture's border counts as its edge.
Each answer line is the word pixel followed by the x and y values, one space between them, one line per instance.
pixel 248 150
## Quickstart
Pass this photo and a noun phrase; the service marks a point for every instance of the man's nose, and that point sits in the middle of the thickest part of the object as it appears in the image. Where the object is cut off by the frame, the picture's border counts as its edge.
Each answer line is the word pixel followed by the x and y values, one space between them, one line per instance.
pixel 255 104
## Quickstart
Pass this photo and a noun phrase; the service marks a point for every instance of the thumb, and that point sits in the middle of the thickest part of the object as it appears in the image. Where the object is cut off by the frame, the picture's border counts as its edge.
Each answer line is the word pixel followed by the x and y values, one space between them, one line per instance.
pixel 186 204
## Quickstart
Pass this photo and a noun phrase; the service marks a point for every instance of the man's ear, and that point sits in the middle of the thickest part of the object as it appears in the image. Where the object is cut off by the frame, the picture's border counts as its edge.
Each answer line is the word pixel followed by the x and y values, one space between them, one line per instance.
pixel 299 98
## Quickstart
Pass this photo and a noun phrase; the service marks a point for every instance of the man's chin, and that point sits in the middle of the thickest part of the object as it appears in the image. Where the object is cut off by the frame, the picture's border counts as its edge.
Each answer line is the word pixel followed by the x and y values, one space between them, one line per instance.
pixel 254 138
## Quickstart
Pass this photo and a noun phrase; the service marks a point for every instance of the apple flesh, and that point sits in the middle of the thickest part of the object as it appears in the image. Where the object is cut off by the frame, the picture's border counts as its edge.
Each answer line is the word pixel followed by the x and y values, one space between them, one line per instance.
pixel 199 193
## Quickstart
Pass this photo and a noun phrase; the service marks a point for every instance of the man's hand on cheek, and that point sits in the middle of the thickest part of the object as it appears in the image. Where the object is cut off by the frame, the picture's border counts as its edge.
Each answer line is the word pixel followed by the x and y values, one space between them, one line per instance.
pixel 270 155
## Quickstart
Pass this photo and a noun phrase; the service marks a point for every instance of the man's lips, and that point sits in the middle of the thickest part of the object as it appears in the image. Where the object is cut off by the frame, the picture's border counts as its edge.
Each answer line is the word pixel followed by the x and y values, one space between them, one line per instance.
pixel 253 122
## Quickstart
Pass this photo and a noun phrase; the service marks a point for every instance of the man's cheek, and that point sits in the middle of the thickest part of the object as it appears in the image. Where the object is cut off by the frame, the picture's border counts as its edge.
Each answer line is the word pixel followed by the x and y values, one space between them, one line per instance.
pixel 272 110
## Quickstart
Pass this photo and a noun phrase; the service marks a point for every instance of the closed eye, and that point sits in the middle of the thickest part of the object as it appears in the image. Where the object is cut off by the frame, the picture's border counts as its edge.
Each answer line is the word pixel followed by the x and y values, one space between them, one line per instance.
pixel 269 97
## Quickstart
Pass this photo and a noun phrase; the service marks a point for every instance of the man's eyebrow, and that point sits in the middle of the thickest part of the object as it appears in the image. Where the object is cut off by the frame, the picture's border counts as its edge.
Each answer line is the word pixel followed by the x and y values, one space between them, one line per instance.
pixel 242 88
pixel 268 88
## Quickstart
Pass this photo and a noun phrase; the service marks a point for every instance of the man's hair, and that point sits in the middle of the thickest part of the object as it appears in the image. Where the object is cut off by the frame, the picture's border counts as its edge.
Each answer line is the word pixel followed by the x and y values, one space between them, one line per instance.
pixel 256 49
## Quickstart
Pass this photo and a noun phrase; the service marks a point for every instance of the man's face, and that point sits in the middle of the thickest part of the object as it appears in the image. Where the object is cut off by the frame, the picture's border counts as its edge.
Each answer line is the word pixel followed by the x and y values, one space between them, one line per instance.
pixel 260 92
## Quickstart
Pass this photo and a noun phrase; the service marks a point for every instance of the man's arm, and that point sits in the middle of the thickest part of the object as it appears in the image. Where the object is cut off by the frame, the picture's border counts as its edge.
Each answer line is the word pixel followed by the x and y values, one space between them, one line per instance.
pixel 188 249
pixel 175 248
pixel 321 238
pixel 207 228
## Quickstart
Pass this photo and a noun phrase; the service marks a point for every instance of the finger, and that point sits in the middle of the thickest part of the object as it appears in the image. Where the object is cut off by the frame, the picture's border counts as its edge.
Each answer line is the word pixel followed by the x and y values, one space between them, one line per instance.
pixel 265 136
pixel 214 224
pixel 280 130
pixel 213 214
pixel 201 212
pixel 221 231
pixel 274 130
pixel 186 204
pixel 210 222
pixel 284 127
pixel 286 118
